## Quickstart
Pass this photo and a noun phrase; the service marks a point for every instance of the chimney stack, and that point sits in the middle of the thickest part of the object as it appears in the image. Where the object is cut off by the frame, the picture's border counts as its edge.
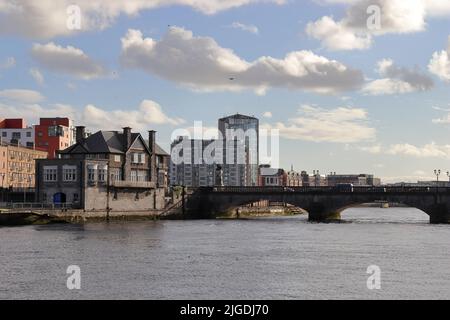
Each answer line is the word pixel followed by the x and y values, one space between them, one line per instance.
pixel 127 138
pixel 80 134
pixel 152 146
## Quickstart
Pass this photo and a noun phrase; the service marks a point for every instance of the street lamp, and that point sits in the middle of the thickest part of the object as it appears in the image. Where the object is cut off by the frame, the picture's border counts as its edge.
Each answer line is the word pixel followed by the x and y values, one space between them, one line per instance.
pixel 437 173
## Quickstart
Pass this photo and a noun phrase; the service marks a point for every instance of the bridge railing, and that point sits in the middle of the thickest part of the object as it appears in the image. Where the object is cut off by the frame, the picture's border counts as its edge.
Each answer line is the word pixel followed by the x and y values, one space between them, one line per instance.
pixel 332 189
pixel 36 205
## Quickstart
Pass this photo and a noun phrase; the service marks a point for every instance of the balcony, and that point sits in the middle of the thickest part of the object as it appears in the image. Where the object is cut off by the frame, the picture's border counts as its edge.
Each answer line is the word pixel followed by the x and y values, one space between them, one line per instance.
pixel 133 184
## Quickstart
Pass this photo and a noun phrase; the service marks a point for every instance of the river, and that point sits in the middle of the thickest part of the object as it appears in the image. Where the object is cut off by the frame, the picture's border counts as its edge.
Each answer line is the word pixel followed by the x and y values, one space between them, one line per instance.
pixel 264 258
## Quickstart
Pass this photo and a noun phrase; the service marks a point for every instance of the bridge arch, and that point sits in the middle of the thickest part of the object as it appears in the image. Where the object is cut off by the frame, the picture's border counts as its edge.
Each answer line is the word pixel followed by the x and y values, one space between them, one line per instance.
pixel 322 204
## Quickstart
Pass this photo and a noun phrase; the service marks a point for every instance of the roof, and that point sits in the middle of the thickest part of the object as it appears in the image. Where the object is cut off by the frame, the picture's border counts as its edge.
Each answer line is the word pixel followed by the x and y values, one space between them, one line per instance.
pixel 108 142
pixel 270 171
pixel 238 116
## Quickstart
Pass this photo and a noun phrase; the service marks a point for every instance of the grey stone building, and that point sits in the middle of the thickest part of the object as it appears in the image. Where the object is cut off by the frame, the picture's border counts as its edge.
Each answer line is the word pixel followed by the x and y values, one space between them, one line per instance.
pixel 107 171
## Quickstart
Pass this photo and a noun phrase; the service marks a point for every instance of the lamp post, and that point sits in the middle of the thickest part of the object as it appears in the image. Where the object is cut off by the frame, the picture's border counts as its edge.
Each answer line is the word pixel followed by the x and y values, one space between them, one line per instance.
pixel 3 191
pixel 437 172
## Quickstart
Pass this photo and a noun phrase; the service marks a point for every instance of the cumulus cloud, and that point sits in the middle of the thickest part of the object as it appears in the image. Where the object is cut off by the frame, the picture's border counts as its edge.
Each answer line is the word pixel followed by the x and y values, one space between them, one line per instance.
pixel 245 27
pixel 68 60
pixel 21 95
pixel 267 114
pixel 148 113
pixel 354 32
pixel 47 18
pixel 340 125
pixel 440 63
pixel 398 80
pixel 202 64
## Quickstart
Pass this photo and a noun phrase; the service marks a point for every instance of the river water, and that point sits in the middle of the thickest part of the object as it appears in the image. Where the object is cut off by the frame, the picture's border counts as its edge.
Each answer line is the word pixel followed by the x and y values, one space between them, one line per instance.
pixel 264 258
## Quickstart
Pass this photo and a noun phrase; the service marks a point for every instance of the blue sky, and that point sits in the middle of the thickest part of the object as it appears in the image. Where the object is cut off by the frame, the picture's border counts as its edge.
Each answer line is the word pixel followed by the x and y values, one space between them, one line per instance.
pixel 371 118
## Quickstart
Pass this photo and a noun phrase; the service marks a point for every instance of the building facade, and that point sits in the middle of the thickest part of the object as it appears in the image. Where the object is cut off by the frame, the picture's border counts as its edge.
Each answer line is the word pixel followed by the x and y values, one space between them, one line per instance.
pixel 17 166
pixel 16 131
pixel 107 171
pixel 271 177
pixel 192 170
pixel 54 134
pixel 240 164
pixel 294 178
pixel 355 179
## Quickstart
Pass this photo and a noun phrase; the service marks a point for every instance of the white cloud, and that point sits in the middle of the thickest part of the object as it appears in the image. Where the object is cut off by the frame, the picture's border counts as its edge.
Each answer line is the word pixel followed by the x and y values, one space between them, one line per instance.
pixel 398 80
pixel 148 113
pixel 336 36
pixel 431 150
pixel 201 64
pixel 48 18
pixel 267 114
pixel 397 17
pixel 440 63
pixel 341 125
pixel 68 60
pixel 245 27
pixel 37 76
pixel 8 63
pixel 21 95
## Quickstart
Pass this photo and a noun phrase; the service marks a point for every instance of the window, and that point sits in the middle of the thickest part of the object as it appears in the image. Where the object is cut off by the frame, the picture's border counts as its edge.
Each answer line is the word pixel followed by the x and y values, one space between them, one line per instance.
pixel 16 135
pixel 4 134
pixel 69 173
pixel 28 134
pixel 92 172
pixel 76 197
pixel 102 172
pixel 50 173
pixel 117 158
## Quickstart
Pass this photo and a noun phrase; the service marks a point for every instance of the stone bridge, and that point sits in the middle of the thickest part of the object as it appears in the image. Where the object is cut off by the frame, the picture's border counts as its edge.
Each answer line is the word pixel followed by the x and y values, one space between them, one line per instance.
pixel 322 203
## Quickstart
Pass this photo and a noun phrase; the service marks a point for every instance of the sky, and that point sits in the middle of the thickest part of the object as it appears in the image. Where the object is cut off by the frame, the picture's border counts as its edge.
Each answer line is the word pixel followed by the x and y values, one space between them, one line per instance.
pixel 353 86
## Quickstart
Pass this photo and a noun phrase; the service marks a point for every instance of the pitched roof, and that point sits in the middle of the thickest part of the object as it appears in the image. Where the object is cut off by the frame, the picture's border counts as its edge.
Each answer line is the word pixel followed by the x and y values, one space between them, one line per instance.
pixel 108 142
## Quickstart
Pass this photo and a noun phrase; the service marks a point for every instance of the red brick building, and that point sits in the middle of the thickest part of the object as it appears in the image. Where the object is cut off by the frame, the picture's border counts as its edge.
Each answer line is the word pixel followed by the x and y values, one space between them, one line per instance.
pixel 53 134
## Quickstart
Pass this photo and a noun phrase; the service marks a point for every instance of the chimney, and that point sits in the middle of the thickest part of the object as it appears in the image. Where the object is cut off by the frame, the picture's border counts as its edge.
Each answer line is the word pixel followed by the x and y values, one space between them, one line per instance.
pixel 152 146
pixel 127 138
pixel 80 134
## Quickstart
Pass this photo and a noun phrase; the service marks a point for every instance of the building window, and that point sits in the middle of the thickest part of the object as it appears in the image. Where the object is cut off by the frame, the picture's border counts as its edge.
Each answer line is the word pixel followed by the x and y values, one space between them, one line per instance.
pixel 50 174
pixel 117 158
pixel 102 172
pixel 76 197
pixel 28 134
pixel 69 173
pixel 4 133
pixel 91 173
pixel 16 135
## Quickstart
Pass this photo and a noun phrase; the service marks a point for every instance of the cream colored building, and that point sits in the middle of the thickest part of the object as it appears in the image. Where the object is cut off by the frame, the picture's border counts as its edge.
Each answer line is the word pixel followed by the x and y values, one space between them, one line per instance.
pixel 17 166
